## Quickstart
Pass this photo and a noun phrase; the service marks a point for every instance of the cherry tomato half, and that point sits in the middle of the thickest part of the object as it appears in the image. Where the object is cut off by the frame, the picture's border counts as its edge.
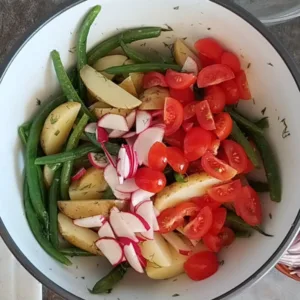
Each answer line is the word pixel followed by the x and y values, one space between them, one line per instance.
pixel 219 218
pixel 187 125
pixel 206 200
pixel 231 60
pixel 216 98
pixel 214 146
pixel 209 48
pixel 184 96
pixel 150 180
pixel 231 91
pixel 216 167
pixel 206 61
pixel 195 167
pixel 189 110
pixel 169 219
pixel 177 160
pixel 152 79
pixel 213 242
pixel 187 209
pixel 243 87
pixel 179 81
pixel 227 236
pixel 173 115
pixel 250 167
pixel 204 116
pixel 213 75
pixel 176 139
pixel 223 124
pixel 157 156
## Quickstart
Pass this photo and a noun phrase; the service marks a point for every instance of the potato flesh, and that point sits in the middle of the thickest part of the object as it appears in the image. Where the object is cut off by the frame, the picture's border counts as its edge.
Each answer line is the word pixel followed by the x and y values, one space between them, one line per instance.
pixel 128 86
pixel 182 52
pixel 154 98
pixel 100 112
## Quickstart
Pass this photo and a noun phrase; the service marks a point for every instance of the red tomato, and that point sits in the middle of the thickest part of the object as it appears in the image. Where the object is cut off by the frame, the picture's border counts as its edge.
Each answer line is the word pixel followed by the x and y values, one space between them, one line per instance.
pixel 213 242
pixel 189 110
pixel 173 115
pixel 213 75
pixel 223 124
pixel 177 160
pixel 243 87
pixel 204 116
pixel 219 218
pixel 214 146
pixel 216 98
pixel 249 207
pixel 249 168
pixel 154 79
pixel 176 139
pixel 200 225
pixel 184 96
pixel 195 167
pixel 205 61
pixel 201 265
pixel 150 180
pixel 236 155
pixel 196 143
pixel 222 156
pixel 169 219
pixel 206 200
pixel 186 125
pixel 157 156
pixel 227 236
pixel 231 91
pixel 231 60
pixel 217 168
pixel 179 81
pixel 187 209
pixel 227 192
pixel 209 48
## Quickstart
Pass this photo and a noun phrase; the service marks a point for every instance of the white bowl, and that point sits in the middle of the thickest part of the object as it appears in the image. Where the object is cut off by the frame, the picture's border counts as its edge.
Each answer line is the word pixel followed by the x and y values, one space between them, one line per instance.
pixel 274 83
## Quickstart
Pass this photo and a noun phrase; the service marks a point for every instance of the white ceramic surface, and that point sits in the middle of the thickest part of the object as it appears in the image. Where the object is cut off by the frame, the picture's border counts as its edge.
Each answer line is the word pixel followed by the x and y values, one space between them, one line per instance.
pixel 30 76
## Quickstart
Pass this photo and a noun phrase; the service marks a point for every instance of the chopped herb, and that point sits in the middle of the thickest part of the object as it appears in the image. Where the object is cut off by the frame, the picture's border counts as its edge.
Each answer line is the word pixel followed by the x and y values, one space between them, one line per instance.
pixel 143 45
pixel 270 64
pixel 175 279
pixel 76 267
pixel 88 186
pixel 285 132
pixel 184 38
pixel 108 291
pixel 221 263
pixel 253 100
pixel 53 119
pixel 82 277
pixel 72 50
pixel 57 132
pixel 249 65
pixel 176 7
pixel 270 216
pixel 38 102
pixel 169 28
pixel 208 28
pixel 278 118
pixel 175 295
pixel 263 111
pixel 180 178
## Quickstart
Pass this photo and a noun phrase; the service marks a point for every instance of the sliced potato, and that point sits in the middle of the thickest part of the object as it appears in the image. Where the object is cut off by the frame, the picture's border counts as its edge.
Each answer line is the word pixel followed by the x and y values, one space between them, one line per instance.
pixel 57 127
pixel 157 251
pixel 182 52
pixel 107 91
pixel 137 77
pixel 100 112
pixel 154 98
pixel 128 86
pixel 48 176
pixel 88 208
pixel 82 238
pixel 99 104
pixel 109 61
pixel 176 268
pixel 89 186
pixel 178 192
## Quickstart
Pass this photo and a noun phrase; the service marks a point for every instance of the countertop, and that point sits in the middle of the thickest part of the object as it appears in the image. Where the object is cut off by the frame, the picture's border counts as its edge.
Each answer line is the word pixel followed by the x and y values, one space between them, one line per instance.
pixel 19 16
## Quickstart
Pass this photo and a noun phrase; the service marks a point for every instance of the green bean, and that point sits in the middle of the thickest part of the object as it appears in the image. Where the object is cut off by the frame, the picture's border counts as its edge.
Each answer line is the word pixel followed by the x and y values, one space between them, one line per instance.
pixel 180 178
pixel 259 187
pixel 22 135
pixel 106 284
pixel 66 84
pixel 66 156
pixel 73 251
pixel 42 185
pixel 68 166
pixel 31 154
pixel 55 167
pixel 134 55
pixel 242 234
pixel 73 76
pixel 238 136
pixel 146 67
pixel 112 148
pixel 127 36
pixel 82 162
pixel 37 231
pixel 81 44
pixel 263 123
pixel 52 207
pixel 108 194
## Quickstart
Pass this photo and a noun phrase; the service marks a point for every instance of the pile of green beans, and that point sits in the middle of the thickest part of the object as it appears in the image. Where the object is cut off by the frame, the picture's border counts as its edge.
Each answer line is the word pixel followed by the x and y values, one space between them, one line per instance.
pixel 134 55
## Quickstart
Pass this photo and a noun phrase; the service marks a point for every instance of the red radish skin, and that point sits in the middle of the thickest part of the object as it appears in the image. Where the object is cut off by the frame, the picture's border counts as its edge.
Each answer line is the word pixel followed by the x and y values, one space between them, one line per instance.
pixel 145 210
pixel 190 66
pixel 143 121
pixel 140 196
pixel 128 186
pixel 106 231
pixel 116 133
pixel 133 258
pixel 135 222
pixel 122 196
pixel 129 134
pixel 90 222
pixel 111 249
pixel 157 113
pixel 98 160
pixel 101 135
pixel 91 128
pixel 114 122
pixel 79 174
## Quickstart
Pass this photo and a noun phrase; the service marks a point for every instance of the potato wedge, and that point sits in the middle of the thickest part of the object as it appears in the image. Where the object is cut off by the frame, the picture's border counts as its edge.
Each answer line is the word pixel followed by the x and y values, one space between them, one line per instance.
pixel 88 208
pixel 82 238
pixel 99 104
pixel 128 86
pixel 109 61
pixel 154 98
pixel 57 127
pixel 100 112
pixel 48 176
pixel 107 91
pixel 137 77
pixel 182 52
pixel 178 192
pixel 89 186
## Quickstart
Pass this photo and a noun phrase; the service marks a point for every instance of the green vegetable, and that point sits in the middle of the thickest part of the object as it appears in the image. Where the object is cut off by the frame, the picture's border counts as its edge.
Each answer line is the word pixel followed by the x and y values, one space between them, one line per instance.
pixel 263 123
pixel 73 251
pixel 179 177
pixel 242 234
pixel 82 162
pixel 66 84
pixel 134 55
pixel 238 136
pixel 68 166
pixel 37 231
pixel 146 67
pixel 23 131
pixel 259 187
pixel 106 283
pixel 42 185
pixel 66 156
pixel 81 44
pixel 55 167
pixel 112 148
pixel 108 194
pixel 33 180
pixel 127 36
pixel 73 76
pixel 52 206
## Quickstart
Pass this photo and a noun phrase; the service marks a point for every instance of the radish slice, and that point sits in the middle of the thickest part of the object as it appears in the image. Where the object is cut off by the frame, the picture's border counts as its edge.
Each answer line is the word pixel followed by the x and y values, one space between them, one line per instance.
pixel 155 223
pixel 130 119
pixel 145 141
pixel 143 121
pixel 157 113
pixel 124 163
pixel 111 176
pixel 133 258
pixel 177 243
pixel 90 222
pixel 129 134
pixel 135 222
pixel 111 249
pixel 159 125
pixel 101 135
pixel 91 128
pixel 145 210
pixel 112 121
pixel 126 241
pixel 78 174
pixel 106 231
pixel 98 160
pixel 140 237
pixel 140 196
pixel 116 133
pixel 122 196
pixel 156 211
pixel 190 66
pixel 128 186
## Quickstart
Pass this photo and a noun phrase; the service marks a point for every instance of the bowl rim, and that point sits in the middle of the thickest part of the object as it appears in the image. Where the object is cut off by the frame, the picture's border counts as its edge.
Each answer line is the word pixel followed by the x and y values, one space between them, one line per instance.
pixel 256 24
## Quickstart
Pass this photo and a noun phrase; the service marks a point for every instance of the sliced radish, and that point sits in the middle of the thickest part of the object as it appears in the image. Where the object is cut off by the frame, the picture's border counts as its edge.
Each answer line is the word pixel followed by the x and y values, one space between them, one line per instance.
pixel 157 113
pixel 135 222
pixel 159 125
pixel 101 135
pixel 131 140
pixel 116 133
pixel 98 160
pixel 143 121
pixel 140 237
pixel 143 261
pixel 130 119
pixel 78 174
pixel 145 210
pixel 106 231
pixel 90 222
pixel 156 211
pixel 111 176
pixel 133 258
pixel 122 196
pixel 112 121
pixel 124 163
pixel 126 241
pixel 190 66
pixel 155 223
pixel 111 249
pixel 140 196
pixel 129 134
pixel 128 186
pixel 177 243
pixel 91 128
pixel 145 141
